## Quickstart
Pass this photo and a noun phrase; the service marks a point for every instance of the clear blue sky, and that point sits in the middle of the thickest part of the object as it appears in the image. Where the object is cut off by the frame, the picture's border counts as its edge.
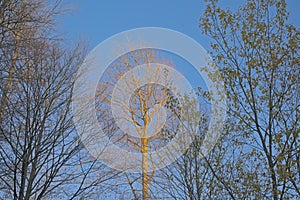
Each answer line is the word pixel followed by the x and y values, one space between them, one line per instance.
pixel 96 20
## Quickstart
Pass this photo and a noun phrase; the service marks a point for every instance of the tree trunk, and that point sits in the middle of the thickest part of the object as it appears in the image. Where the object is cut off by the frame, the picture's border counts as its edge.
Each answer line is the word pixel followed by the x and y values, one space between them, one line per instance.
pixel 145 163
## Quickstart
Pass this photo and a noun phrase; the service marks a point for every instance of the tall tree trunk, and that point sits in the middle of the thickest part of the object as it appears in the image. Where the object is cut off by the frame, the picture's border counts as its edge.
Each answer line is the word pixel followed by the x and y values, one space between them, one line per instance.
pixel 145 166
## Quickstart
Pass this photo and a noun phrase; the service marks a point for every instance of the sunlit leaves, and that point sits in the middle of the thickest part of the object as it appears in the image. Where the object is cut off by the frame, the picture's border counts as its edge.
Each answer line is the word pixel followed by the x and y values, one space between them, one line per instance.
pixel 258 52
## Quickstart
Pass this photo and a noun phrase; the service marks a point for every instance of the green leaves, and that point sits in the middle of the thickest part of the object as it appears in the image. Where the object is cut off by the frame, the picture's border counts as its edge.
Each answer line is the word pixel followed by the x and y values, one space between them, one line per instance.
pixel 262 73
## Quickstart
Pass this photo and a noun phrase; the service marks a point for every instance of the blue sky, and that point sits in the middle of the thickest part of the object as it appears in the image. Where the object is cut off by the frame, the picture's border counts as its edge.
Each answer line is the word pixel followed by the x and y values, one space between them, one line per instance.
pixel 96 20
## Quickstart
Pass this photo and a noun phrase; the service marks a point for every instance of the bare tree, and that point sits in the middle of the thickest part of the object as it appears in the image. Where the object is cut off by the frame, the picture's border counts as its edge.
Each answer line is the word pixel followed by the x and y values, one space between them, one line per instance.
pixel 41 155
pixel 144 110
